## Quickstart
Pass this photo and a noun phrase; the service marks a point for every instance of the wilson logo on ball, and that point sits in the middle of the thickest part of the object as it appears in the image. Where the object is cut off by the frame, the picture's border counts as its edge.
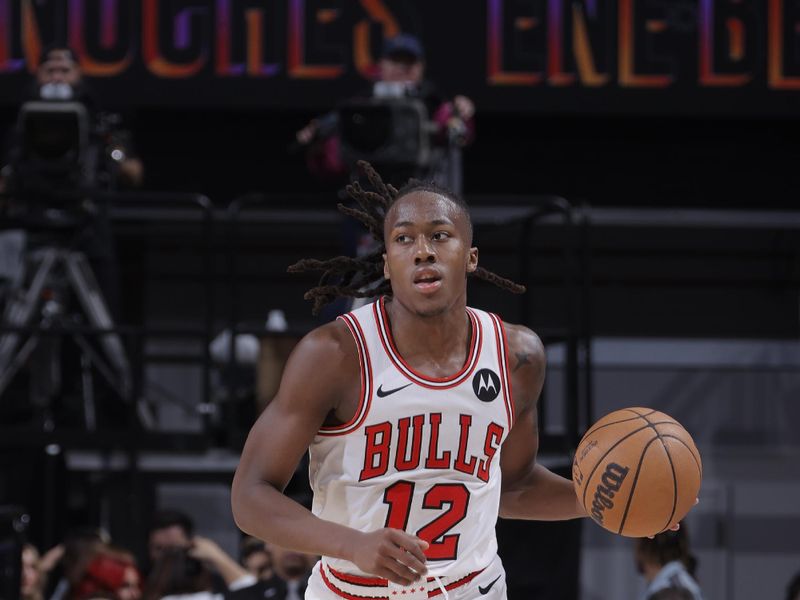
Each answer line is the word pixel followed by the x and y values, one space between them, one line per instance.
pixel 610 484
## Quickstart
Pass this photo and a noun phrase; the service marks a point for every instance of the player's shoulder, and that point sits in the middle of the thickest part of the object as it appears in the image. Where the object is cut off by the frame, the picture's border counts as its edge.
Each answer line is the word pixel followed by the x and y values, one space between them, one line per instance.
pixel 330 341
pixel 324 362
pixel 523 341
pixel 527 362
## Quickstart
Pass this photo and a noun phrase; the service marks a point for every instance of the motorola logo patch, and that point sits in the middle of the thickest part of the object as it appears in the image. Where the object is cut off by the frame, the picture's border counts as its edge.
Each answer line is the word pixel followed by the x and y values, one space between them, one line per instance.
pixel 486 385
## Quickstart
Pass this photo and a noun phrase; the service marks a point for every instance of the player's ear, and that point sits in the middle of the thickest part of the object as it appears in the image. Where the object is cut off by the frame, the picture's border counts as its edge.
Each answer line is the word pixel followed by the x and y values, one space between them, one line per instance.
pixel 472 260
pixel 385 267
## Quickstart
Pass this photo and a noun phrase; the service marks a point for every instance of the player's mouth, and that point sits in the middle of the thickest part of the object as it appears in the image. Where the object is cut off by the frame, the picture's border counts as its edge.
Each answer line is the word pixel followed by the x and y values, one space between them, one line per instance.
pixel 427 281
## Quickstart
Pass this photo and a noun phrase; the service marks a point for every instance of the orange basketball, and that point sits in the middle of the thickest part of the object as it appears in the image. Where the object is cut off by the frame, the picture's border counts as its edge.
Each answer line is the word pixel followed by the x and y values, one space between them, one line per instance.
pixel 637 472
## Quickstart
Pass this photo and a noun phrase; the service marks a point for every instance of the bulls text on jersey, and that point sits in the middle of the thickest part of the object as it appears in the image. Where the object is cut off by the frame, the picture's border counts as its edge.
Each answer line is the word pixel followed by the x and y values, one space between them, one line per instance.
pixel 406 453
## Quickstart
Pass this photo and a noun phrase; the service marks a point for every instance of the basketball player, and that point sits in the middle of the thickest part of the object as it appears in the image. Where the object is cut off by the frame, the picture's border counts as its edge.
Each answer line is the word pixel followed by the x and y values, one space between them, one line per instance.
pixel 419 414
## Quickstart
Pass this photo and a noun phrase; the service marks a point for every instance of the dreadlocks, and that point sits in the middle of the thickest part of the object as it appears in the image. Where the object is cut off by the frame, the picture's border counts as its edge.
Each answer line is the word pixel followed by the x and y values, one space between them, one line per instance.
pixel 362 277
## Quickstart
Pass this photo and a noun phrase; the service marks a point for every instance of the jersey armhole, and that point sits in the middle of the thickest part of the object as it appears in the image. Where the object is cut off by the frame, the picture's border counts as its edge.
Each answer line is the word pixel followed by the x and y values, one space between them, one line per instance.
pixel 505 372
pixel 365 369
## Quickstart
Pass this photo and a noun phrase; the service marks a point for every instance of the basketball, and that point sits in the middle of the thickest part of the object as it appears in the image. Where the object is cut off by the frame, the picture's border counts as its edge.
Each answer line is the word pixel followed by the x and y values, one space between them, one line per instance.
pixel 637 472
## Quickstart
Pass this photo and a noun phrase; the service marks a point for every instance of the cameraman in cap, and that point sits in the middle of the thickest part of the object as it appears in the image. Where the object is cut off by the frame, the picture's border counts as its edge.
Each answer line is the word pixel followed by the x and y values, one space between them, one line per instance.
pixel 401 72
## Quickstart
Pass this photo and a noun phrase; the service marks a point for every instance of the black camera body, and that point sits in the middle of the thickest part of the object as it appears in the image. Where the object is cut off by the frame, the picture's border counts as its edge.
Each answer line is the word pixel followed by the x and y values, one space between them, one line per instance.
pixel 181 563
pixel 55 165
pixel 391 131
pixel 53 153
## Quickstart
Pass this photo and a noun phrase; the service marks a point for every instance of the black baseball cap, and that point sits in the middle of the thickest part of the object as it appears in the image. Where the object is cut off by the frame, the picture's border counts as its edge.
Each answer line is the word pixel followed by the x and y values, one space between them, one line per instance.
pixel 403 45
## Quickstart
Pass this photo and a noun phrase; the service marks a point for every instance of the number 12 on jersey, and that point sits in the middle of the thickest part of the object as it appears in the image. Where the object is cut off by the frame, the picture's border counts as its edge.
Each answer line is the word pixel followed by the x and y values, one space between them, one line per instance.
pixel 443 546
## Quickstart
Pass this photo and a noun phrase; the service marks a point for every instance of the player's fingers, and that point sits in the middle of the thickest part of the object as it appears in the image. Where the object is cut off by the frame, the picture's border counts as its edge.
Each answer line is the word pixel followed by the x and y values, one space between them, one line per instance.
pixel 397 572
pixel 388 574
pixel 675 527
pixel 415 547
pixel 411 562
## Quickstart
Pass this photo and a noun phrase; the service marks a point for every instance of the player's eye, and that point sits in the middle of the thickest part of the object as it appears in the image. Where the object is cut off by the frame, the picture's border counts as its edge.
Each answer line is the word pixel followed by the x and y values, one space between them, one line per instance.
pixel 403 238
pixel 440 236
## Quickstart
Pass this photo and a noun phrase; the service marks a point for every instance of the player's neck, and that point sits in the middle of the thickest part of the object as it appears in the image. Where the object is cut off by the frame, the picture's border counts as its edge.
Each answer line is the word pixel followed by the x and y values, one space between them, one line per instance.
pixel 441 340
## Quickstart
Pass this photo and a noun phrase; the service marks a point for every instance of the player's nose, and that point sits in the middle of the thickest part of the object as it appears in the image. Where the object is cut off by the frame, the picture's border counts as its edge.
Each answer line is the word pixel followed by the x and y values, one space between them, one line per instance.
pixel 423 251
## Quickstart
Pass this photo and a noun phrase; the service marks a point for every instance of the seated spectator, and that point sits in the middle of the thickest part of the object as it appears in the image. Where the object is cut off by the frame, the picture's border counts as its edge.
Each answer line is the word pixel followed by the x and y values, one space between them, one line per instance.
pixel 666 563
pixel 110 572
pixel 290 571
pixel 173 530
pixel 169 529
pixel 175 574
pixel 89 567
pixel 256 558
pixel 69 560
pixel 293 568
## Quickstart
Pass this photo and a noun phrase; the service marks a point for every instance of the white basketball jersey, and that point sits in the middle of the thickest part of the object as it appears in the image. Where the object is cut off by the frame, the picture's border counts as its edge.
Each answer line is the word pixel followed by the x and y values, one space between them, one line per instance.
pixel 421 454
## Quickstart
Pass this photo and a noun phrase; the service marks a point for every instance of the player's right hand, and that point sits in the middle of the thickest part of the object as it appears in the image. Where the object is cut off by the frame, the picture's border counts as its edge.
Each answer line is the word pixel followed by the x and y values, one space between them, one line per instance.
pixel 392 554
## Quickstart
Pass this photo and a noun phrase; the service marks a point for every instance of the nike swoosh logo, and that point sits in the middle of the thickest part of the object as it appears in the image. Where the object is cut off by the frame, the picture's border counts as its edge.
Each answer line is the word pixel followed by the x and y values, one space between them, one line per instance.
pixel 383 393
pixel 485 590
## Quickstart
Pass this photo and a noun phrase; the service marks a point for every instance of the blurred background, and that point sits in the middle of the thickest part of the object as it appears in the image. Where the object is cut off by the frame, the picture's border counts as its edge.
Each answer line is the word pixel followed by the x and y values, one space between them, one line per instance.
pixel 633 162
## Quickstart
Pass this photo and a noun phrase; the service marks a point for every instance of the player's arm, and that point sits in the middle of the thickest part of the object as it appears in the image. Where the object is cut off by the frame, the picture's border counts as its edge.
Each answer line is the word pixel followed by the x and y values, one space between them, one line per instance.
pixel 530 491
pixel 322 370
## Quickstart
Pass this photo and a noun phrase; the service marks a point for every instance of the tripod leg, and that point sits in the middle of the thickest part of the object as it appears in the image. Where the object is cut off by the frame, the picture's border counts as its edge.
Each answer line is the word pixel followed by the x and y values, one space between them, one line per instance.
pixel 86 289
pixel 21 308
pixel 95 359
pixel 8 372
pixel 87 385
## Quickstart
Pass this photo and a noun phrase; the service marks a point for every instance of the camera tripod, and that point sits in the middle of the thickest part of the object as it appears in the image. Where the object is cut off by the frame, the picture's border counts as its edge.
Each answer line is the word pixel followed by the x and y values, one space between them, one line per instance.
pixel 55 273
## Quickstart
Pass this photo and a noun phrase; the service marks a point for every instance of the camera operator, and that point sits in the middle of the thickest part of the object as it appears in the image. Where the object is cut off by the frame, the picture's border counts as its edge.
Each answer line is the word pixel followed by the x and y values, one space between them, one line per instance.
pixel 111 164
pixel 401 74
pixel 55 233
pixel 59 79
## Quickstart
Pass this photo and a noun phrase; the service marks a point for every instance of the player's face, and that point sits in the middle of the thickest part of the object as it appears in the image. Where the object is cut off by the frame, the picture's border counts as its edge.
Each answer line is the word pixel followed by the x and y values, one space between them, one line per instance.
pixel 428 253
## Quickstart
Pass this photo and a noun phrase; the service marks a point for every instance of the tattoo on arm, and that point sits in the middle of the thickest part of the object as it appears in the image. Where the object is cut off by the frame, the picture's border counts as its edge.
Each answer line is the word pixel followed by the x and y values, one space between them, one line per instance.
pixel 522 359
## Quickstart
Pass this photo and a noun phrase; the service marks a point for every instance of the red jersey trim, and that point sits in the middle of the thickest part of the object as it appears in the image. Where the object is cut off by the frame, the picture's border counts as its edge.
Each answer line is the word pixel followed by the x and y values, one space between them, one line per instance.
pixel 505 373
pixel 377 582
pixel 357 579
pixel 451 586
pixel 436 383
pixel 341 593
pixel 365 367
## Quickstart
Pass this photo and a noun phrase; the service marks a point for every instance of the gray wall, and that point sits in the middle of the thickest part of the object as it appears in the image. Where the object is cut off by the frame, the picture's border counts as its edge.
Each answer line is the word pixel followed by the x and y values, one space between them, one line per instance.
pixel 741 402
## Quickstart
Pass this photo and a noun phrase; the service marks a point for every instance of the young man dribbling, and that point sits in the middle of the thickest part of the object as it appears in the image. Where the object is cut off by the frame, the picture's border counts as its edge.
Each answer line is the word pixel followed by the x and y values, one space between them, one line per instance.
pixel 419 414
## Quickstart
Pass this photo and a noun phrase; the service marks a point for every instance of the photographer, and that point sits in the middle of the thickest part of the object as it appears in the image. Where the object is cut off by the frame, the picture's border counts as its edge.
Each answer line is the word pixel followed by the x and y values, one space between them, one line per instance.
pixel 401 74
pixel 177 554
